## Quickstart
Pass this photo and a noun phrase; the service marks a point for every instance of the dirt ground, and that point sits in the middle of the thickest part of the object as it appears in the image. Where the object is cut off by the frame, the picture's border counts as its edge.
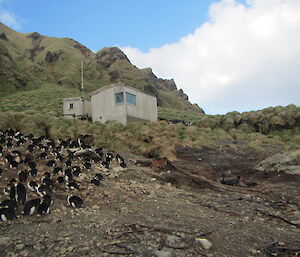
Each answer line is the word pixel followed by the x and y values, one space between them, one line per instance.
pixel 166 209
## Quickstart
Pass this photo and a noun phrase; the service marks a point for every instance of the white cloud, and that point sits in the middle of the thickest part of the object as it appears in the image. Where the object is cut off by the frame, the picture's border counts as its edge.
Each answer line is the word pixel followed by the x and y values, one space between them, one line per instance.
pixel 245 57
pixel 8 18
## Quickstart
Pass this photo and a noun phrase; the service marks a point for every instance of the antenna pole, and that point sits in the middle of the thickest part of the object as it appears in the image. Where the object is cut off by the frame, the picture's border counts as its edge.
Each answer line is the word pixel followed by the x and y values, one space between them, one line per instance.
pixel 81 75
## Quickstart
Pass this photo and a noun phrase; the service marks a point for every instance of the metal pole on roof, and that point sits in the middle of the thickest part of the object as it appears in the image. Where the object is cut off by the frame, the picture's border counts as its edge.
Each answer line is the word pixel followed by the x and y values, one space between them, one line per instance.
pixel 81 75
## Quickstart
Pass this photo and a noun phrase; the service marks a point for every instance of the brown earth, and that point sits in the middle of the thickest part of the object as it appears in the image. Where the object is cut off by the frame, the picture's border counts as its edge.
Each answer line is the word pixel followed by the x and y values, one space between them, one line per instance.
pixel 164 210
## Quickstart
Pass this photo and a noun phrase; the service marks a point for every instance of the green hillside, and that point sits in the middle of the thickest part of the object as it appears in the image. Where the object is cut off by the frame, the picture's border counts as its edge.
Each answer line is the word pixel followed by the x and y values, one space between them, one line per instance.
pixel 28 61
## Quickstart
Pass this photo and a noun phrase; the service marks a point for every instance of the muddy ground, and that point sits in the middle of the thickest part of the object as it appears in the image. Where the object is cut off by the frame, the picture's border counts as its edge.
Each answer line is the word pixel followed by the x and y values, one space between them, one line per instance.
pixel 166 209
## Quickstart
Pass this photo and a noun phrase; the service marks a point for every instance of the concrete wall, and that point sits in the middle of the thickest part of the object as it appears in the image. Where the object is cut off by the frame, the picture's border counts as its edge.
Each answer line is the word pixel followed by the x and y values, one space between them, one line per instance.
pixel 87 107
pixel 104 107
pixel 145 108
pixel 80 106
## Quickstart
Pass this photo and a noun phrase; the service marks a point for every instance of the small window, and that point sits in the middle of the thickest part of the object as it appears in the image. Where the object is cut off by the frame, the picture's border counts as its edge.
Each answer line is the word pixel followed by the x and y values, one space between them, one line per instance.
pixel 71 106
pixel 130 98
pixel 119 98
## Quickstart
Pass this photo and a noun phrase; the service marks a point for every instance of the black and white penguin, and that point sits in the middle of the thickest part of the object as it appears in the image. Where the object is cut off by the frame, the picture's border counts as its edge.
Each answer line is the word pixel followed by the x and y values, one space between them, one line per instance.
pixel 23 175
pixel 68 163
pixel 43 155
pixel 43 190
pixel 1 172
pixel 99 176
pixel 75 201
pixel 20 193
pixel 87 165
pixel 33 172
pixel 57 170
pixel 47 181
pixel 7 214
pixel 32 165
pixel 72 185
pixel 31 206
pixel 60 179
pixel 11 204
pixel 33 186
pixel 44 207
pixel 51 163
pixel 13 164
pixel 68 175
pixel 95 182
pixel 76 171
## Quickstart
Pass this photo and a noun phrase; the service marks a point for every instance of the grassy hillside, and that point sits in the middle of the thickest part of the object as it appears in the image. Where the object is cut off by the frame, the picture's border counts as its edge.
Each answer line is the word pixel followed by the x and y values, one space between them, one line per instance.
pixel 39 111
pixel 30 60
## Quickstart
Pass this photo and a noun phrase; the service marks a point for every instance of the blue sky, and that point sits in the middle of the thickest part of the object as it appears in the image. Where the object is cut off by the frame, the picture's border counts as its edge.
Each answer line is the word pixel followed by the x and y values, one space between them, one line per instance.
pixel 97 24
pixel 225 54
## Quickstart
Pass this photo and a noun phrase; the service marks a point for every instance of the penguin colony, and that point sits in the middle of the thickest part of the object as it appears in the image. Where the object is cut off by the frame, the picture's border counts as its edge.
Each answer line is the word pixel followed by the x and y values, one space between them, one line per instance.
pixel 35 168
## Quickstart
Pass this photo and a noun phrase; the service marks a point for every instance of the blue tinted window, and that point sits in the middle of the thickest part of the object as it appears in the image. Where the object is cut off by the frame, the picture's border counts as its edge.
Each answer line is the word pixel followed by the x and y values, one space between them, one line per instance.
pixel 119 98
pixel 130 98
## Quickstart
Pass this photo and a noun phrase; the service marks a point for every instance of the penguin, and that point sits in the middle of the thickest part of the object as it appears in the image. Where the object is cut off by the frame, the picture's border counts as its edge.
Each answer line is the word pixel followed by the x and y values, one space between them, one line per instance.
pixel 1 172
pixel 47 181
pixel 43 156
pixel 68 163
pixel 33 172
pixel 30 148
pixel 14 164
pixel 120 159
pixel 72 185
pixel 87 165
pixel 60 179
pixel 95 182
pixel 68 175
pixel 32 165
pixel 23 175
pixel 31 206
pixel 75 201
pixel 99 176
pixel 27 160
pixel 20 193
pixel 11 204
pixel 76 171
pixel 44 207
pixel 57 170
pixel 12 192
pixel 7 214
pixel 43 190
pixel 123 165
pixel 33 186
pixel 51 163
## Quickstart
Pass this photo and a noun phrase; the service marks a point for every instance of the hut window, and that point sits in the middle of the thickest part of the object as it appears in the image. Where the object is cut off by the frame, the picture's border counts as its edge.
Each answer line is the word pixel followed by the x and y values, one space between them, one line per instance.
pixel 71 106
pixel 119 98
pixel 130 98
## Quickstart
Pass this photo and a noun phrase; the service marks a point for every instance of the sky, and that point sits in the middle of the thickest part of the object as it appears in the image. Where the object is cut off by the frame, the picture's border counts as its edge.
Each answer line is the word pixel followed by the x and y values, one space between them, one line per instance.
pixel 227 55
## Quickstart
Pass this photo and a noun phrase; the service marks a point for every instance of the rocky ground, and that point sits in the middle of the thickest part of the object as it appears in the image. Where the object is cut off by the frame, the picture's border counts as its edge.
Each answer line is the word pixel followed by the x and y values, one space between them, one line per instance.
pixel 157 208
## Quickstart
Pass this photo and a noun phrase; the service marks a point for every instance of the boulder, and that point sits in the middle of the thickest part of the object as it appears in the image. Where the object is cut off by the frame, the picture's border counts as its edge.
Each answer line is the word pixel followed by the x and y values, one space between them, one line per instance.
pixel 288 162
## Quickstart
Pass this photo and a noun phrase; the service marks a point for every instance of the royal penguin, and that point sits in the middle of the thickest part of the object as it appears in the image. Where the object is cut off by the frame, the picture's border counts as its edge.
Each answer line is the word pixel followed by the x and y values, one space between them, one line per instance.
pixel 33 186
pixel 20 193
pixel 72 185
pixel 31 206
pixel 44 207
pixel 75 201
pixel 11 204
pixel 23 175
pixel 60 179
pixel 7 214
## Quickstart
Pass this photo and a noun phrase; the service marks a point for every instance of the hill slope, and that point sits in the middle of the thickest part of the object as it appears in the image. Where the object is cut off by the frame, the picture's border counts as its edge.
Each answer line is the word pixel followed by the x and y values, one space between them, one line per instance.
pixel 30 60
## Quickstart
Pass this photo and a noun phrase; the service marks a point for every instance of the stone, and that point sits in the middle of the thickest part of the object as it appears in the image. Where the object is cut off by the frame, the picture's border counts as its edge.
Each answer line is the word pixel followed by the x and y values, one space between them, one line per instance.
pixel 19 246
pixel 205 244
pixel 173 239
pixel 5 240
pixel 165 252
